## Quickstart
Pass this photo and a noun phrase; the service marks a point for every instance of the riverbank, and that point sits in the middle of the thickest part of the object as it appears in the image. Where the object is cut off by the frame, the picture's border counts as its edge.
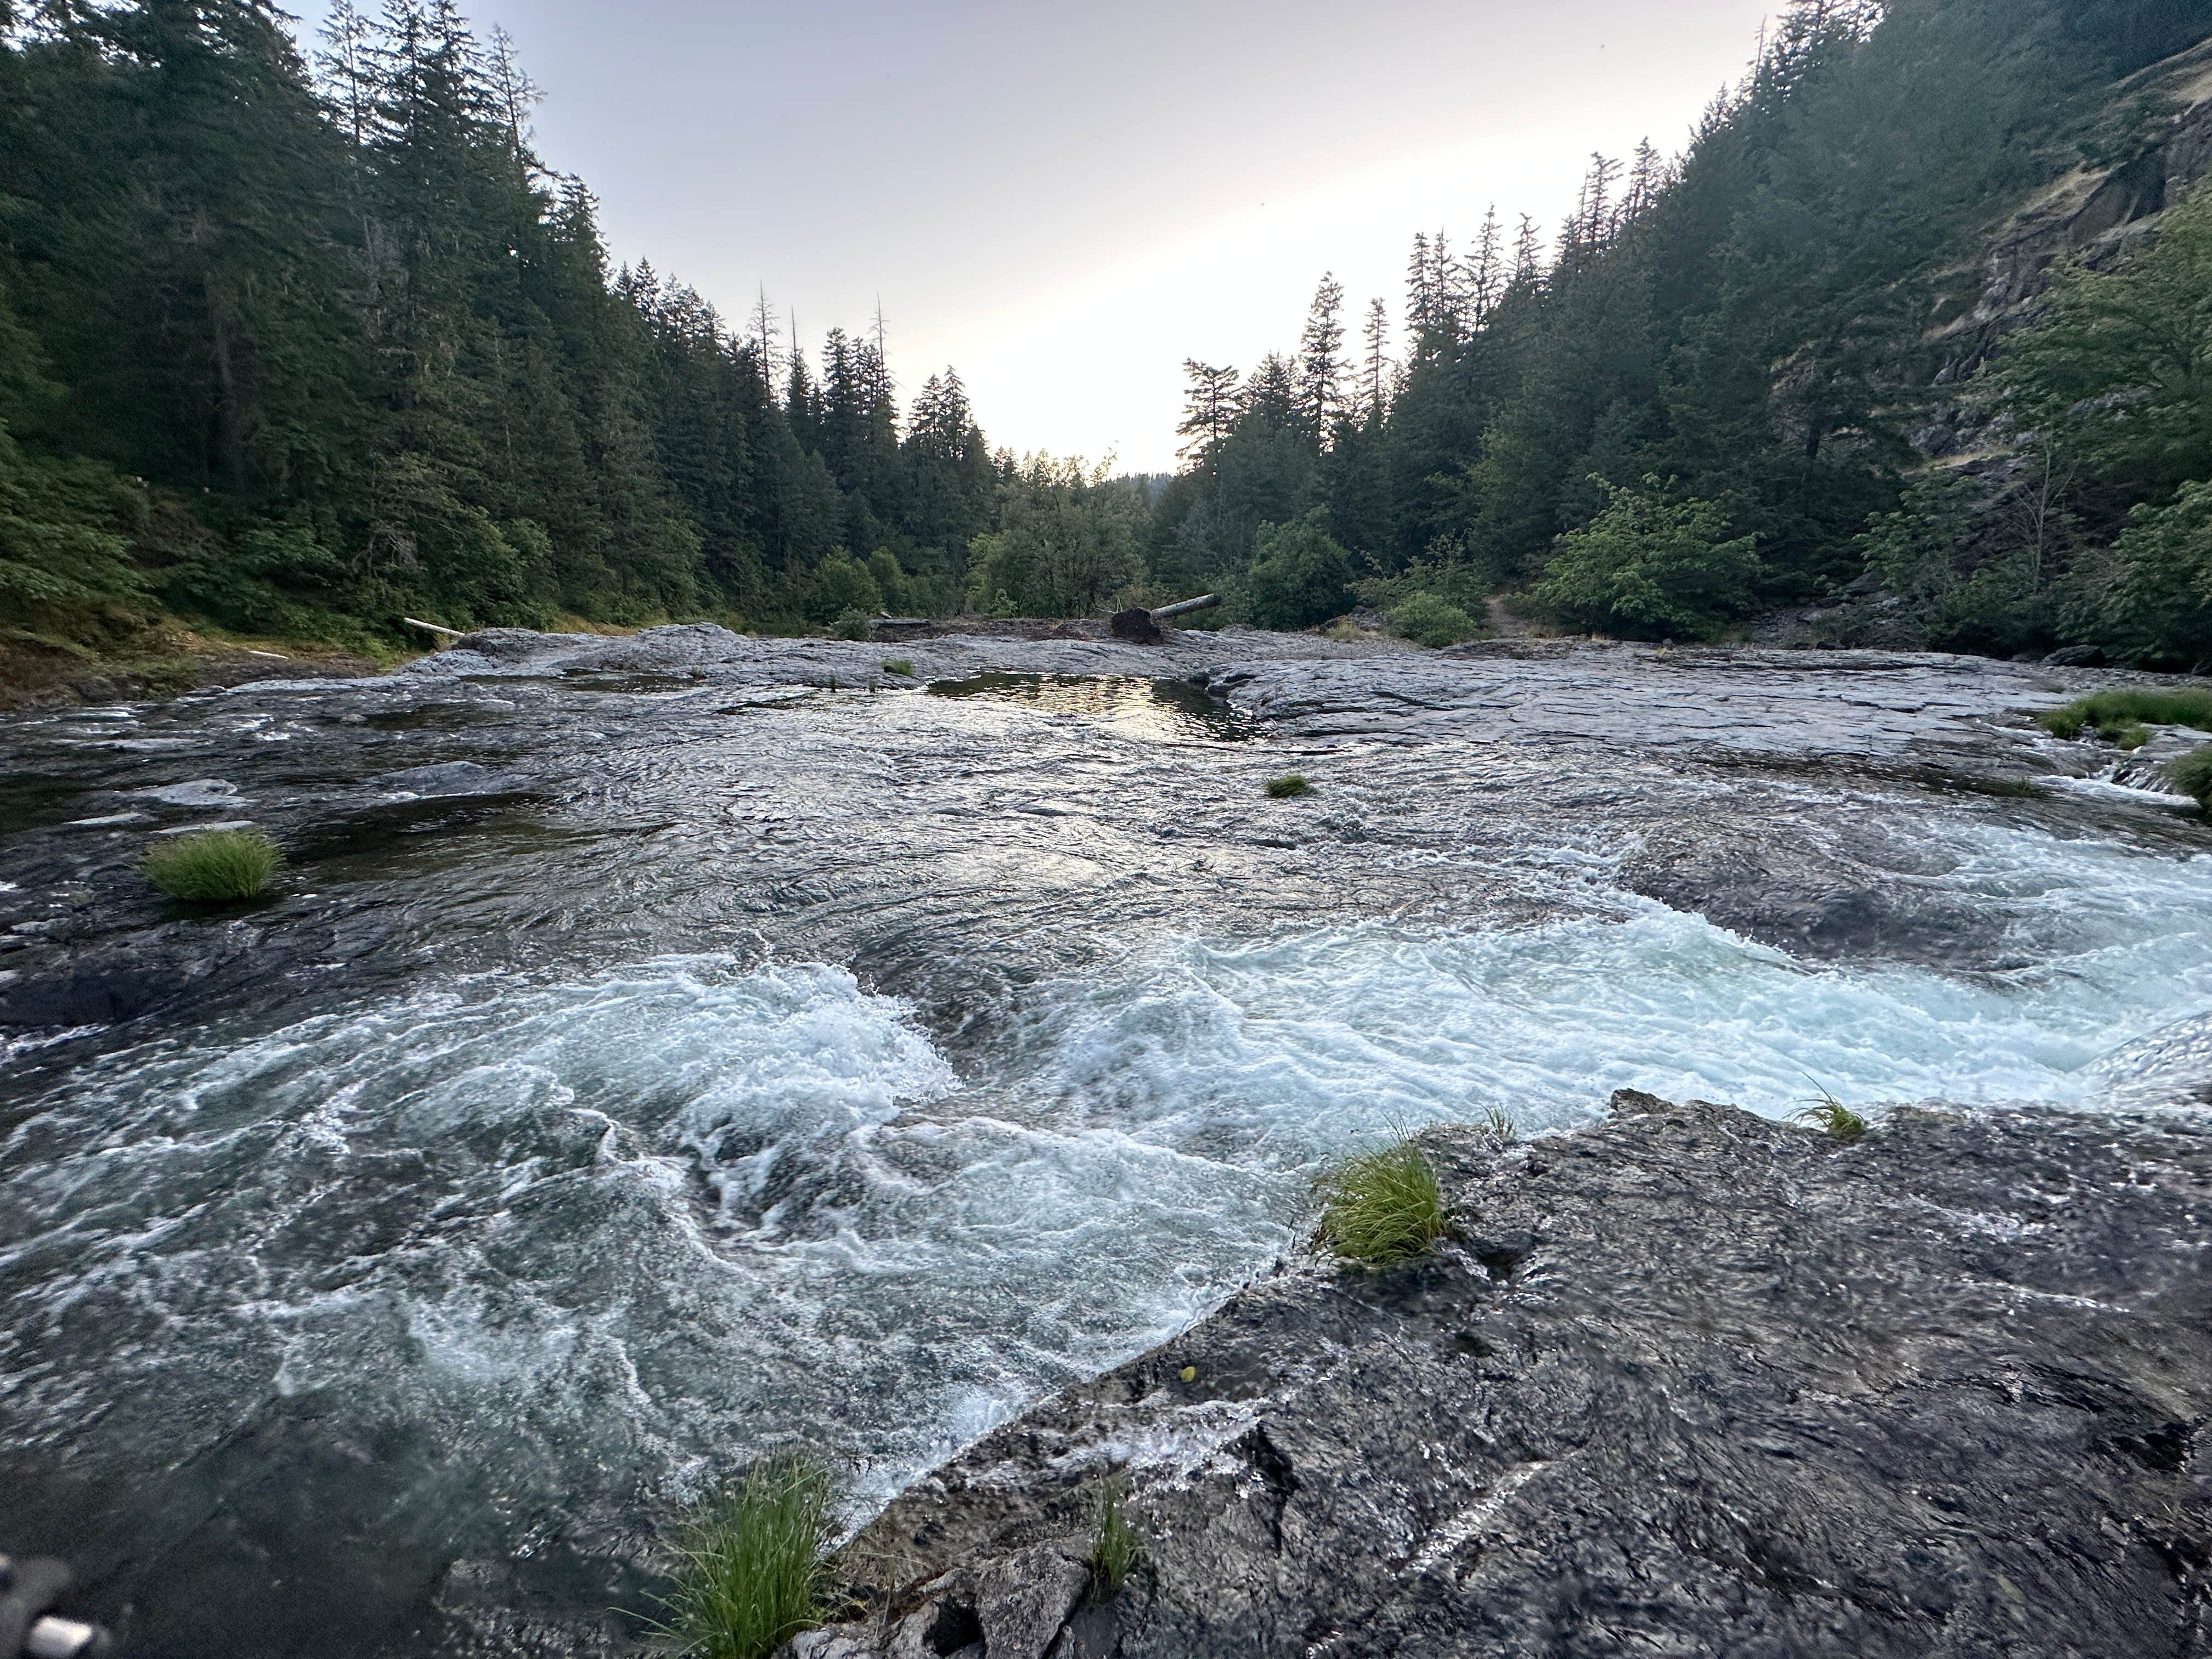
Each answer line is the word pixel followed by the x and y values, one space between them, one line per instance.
pixel 1690 1382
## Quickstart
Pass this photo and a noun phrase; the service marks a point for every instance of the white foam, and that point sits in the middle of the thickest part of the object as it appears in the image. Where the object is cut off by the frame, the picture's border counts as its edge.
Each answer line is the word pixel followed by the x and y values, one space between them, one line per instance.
pixel 639 1224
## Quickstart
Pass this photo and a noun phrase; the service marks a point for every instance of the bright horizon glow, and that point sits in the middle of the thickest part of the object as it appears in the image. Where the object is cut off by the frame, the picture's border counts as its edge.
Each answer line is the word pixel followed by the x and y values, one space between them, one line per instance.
pixel 1064 202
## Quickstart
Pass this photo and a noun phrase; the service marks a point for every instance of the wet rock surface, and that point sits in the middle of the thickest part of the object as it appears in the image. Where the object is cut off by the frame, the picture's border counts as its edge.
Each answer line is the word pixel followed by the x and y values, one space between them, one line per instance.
pixel 1690 1382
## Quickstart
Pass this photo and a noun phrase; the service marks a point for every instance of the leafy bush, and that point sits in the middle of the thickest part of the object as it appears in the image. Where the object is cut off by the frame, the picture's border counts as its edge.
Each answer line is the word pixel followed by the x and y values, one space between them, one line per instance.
pixel 1383 1208
pixel 1651 568
pixel 218 867
pixel 1428 619
pixel 751 1576
pixel 2125 717
pixel 840 587
pixel 1288 787
pixel 1117 1549
pixel 1299 576
pixel 2192 775
pixel 852 625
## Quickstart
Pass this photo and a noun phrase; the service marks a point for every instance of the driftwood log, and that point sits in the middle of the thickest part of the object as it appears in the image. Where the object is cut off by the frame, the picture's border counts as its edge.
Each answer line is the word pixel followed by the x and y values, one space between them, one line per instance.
pixel 1141 626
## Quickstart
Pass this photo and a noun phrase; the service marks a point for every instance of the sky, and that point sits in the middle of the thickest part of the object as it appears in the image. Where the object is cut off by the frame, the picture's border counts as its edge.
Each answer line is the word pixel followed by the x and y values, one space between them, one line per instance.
pixel 1065 201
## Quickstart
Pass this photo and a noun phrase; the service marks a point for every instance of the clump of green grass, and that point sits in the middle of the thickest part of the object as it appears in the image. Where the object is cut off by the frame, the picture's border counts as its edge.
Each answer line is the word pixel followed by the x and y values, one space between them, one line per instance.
pixel 217 866
pixel 2192 775
pixel 899 666
pixel 1498 1129
pixel 752 1573
pixel 1288 787
pixel 1384 1206
pixel 1117 1550
pixel 2125 717
pixel 1832 1118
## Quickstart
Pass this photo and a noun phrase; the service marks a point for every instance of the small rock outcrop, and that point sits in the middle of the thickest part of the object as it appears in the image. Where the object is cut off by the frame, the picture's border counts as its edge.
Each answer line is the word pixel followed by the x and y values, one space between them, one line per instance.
pixel 1689 1382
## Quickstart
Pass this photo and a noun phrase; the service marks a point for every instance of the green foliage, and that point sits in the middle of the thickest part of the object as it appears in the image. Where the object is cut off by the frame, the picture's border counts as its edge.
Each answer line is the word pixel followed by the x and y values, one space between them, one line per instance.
pixel 1299 577
pixel 841 586
pixel 1651 568
pixel 218 867
pixel 1384 1206
pixel 2149 599
pixel 900 667
pixel 1427 619
pixel 1288 787
pixel 1067 541
pixel 1117 1550
pixel 2125 717
pixel 751 1575
pixel 852 625
pixel 2192 775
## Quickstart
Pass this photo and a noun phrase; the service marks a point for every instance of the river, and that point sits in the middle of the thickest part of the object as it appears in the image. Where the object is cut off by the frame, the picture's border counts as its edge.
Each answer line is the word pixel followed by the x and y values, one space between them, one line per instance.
pixel 664 1049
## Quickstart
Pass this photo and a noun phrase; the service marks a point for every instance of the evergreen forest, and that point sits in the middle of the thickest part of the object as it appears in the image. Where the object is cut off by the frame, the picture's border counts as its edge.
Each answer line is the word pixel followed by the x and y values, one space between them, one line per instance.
pixel 293 346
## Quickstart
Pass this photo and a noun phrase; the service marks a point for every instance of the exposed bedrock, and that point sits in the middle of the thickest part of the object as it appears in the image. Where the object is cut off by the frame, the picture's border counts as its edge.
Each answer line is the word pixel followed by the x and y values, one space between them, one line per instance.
pixel 1689 1382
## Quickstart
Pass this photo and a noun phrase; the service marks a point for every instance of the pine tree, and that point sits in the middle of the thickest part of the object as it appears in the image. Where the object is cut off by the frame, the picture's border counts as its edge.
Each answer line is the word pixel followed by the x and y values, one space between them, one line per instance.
pixel 1322 368
pixel 1211 403
pixel 1376 368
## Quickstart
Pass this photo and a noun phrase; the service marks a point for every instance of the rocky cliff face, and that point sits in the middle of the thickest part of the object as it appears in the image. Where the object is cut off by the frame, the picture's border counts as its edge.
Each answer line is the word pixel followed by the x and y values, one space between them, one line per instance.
pixel 1691 1383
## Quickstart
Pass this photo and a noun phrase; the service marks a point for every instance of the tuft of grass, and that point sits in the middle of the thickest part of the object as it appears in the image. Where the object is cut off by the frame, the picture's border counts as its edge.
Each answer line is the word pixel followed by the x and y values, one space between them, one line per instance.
pixel 1831 1117
pixel 217 866
pixel 1117 1550
pixel 2125 717
pixel 752 1573
pixel 1383 1208
pixel 1288 787
pixel 899 666
pixel 2192 775
pixel 1499 1129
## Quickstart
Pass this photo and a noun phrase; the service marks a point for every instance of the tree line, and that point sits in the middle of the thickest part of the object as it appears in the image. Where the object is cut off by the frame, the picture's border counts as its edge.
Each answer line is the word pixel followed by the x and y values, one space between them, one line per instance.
pixel 295 348
pixel 1715 391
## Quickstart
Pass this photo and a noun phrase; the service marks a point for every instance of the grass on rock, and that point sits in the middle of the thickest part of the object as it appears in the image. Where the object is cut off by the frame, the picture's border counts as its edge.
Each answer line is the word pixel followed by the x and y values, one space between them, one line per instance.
pixel 217 866
pixel 1114 1554
pixel 2192 775
pixel 1384 1206
pixel 2125 717
pixel 1288 787
pixel 752 1575
pixel 1834 1119
pixel 899 666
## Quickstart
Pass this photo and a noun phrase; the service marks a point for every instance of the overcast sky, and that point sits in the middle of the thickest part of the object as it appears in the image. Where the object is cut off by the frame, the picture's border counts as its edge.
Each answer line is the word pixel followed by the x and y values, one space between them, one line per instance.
pixel 1065 201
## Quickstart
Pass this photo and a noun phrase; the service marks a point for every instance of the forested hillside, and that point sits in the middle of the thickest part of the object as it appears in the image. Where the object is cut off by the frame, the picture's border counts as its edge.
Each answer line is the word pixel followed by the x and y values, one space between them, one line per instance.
pixel 294 349
pixel 297 351
pixel 1721 389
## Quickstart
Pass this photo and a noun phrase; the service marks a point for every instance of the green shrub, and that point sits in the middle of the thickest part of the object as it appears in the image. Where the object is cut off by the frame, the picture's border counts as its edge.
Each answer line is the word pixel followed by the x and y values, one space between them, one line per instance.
pixel 1651 568
pixel 900 667
pixel 2125 717
pixel 852 625
pixel 1288 787
pixel 1300 575
pixel 1431 620
pixel 1383 1208
pixel 2192 775
pixel 752 1569
pixel 217 866
pixel 1117 1549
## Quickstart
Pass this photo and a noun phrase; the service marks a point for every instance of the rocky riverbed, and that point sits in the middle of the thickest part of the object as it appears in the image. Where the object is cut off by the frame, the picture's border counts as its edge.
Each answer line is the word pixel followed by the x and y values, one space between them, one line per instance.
pixel 1689 1382
pixel 665 1049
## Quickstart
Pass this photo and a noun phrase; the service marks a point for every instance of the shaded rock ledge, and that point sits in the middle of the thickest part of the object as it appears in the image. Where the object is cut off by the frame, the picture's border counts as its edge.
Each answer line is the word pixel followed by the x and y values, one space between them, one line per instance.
pixel 1690 1382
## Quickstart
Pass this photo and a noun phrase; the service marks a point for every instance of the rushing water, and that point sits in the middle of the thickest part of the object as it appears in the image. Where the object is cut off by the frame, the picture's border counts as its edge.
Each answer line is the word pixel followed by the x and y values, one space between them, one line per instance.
pixel 657 1055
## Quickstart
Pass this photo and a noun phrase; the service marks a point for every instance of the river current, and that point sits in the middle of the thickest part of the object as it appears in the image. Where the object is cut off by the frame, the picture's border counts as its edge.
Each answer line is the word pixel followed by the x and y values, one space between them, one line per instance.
pixel 664 1050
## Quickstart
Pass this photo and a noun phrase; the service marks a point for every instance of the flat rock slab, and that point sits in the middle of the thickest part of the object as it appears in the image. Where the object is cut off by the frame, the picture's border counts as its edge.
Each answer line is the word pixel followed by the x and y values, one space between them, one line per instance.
pixel 1689 1382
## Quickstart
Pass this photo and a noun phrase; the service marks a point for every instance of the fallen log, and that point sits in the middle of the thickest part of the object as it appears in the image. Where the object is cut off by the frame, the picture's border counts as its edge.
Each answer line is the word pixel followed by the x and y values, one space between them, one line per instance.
pixel 433 627
pixel 1141 626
